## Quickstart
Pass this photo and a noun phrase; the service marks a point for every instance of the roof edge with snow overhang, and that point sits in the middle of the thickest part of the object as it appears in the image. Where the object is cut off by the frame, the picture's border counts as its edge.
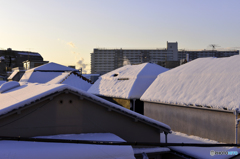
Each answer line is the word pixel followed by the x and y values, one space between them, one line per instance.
pixel 62 88
pixel 204 83
pixel 127 82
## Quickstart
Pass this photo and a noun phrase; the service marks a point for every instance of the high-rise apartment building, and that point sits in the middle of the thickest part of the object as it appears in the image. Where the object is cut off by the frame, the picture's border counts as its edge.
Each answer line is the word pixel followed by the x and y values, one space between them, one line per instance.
pixel 206 53
pixel 106 60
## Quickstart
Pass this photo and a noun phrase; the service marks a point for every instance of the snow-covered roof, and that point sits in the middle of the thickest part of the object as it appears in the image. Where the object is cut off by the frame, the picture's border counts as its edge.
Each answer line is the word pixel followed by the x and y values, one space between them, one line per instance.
pixel 53 67
pixel 77 81
pixel 151 150
pixel 53 73
pixel 127 82
pixel 29 53
pixel 28 93
pixel 40 150
pixel 45 73
pixel 13 74
pixel 1 82
pixel 72 79
pixel 196 152
pixel 210 82
pixel 40 77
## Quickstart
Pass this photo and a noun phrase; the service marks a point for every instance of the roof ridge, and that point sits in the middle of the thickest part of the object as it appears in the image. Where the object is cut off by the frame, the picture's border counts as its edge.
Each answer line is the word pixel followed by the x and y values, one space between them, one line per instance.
pixel 80 76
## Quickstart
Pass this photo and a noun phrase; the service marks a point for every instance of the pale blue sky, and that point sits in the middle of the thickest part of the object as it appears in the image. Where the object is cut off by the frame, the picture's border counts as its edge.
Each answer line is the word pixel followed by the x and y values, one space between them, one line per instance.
pixel 66 31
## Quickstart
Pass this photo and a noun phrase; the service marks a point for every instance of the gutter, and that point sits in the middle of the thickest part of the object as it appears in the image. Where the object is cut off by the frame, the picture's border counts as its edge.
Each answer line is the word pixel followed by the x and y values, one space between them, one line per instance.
pixel 133 143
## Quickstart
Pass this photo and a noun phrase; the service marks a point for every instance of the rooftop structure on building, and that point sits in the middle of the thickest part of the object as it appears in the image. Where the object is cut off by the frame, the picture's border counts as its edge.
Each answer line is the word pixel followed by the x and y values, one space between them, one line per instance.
pixel 106 60
pixel 53 73
pixel 14 58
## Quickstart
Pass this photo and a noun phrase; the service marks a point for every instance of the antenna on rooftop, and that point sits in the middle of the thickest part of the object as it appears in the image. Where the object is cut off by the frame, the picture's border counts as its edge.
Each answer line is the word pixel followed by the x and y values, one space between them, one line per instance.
pixel 213 46
pixel 29 50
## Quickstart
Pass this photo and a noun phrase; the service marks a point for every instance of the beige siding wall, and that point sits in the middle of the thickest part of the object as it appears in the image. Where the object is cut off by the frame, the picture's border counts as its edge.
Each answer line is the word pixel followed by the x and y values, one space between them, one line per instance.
pixel 215 125
pixel 68 114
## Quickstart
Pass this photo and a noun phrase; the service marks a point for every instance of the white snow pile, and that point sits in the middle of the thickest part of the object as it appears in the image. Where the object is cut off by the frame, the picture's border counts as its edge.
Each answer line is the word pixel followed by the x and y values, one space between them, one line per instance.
pixel 207 82
pixel 127 82
pixel 8 85
pixel 196 152
pixel 40 150
pixel 28 93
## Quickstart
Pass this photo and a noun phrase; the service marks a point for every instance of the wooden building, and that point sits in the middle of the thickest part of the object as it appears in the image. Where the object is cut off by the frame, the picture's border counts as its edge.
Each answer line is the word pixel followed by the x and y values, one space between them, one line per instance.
pixel 33 109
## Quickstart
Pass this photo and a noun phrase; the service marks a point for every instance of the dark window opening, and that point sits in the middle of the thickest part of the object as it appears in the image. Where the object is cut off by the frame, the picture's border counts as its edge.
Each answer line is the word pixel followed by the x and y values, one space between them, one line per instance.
pixel 123 78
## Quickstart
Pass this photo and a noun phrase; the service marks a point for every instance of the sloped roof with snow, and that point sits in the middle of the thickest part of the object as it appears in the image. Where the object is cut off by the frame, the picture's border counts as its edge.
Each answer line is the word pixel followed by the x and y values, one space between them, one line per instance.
pixel 72 79
pixel 53 73
pixel 127 82
pixel 40 150
pixel 53 67
pixel 45 73
pixel 1 82
pixel 28 93
pixel 206 82
pixel 40 77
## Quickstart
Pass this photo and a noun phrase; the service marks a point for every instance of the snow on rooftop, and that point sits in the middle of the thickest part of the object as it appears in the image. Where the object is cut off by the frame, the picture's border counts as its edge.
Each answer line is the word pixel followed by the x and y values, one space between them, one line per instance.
pixel 13 74
pixel 53 67
pixel 72 80
pixel 40 77
pixel 46 73
pixel 59 79
pixel 27 93
pixel 1 82
pixel 28 53
pixel 78 82
pixel 8 85
pixel 205 81
pixel 39 150
pixel 196 152
pixel 150 150
pixel 127 82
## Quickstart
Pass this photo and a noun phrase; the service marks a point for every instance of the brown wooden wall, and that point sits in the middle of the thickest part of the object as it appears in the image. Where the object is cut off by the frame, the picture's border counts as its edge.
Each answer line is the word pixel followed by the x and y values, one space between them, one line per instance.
pixel 68 114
